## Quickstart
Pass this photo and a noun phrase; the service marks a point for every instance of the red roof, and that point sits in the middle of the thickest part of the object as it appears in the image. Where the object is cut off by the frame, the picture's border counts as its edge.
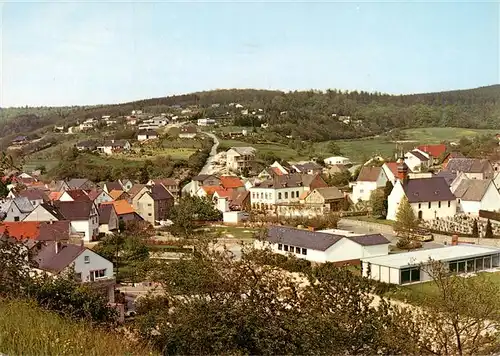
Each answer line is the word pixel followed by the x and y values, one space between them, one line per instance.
pixel 434 150
pixel 122 207
pixel 36 230
pixel 277 171
pixel 231 182
pixel 78 195
pixel 55 195
pixel 224 193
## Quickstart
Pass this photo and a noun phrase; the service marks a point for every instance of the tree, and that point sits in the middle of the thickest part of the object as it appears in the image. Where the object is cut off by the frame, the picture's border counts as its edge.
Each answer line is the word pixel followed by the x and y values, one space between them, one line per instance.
pixel 339 179
pixel 460 318
pixel 406 222
pixel 488 234
pixel 475 229
pixel 387 191
pixel 377 203
pixel 189 210
pixel 333 148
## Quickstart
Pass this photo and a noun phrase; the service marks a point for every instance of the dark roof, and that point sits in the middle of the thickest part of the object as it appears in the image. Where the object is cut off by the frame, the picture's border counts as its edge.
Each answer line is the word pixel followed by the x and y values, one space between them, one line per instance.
pixel 159 192
pixel 468 165
pixel 369 240
pixel 113 186
pixel 105 213
pixel 420 156
pixel 303 167
pixel 454 155
pixel 76 183
pixel 87 144
pixel 78 195
pixel 427 190
pixel 320 241
pixel 202 177
pixel 115 143
pixel 448 176
pixel 136 188
pixel 288 180
pixel 238 197
pixel 369 174
pixel 303 238
pixel 94 193
pixel 48 260
pixel 53 211
pixel 188 129
pixel 34 194
pixel 74 210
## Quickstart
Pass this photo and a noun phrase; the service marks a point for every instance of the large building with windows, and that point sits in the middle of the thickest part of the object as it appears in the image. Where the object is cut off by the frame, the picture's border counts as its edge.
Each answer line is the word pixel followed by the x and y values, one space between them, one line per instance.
pixel 405 268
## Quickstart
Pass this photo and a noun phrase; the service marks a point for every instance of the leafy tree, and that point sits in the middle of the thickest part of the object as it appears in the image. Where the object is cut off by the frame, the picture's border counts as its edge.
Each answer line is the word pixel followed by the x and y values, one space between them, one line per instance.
pixel 488 234
pixel 377 203
pixel 333 148
pixel 14 266
pixel 338 179
pixel 189 210
pixel 475 229
pixel 387 191
pixel 406 221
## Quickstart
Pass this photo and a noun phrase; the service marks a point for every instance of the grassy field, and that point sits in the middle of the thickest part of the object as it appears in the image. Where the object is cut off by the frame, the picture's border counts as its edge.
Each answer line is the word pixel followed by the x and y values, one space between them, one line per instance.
pixel 416 293
pixel 282 151
pixel 174 153
pixel 28 330
pixel 440 134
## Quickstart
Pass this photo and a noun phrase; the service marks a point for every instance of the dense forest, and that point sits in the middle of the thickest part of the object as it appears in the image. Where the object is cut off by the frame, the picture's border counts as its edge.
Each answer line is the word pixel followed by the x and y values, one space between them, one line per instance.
pixel 309 115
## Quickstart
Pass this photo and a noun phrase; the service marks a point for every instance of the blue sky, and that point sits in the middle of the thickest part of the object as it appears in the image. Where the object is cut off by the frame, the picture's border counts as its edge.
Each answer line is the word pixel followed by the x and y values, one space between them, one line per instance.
pixel 56 53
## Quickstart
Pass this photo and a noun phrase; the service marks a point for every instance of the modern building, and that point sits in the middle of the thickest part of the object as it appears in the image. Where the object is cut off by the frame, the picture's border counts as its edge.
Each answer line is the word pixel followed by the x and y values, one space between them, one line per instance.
pixel 144 135
pixel 330 161
pixel 239 158
pixel 405 268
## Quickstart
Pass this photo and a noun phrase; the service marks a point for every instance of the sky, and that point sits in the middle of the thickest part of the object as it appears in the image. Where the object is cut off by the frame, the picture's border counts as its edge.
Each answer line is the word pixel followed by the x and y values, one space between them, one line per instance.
pixel 85 53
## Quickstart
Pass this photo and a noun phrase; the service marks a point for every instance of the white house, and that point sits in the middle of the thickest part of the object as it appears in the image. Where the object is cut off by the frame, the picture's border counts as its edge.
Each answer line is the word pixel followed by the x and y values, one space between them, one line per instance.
pixel 405 268
pixel 323 246
pixel 337 160
pixel 44 212
pixel 430 198
pixel 112 146
pixel 477 194
pixel 188 132
pixel 206 122
pixel 16 209
pixel 144 135
pixel 83 215
pixel 238 158
pixel 369 179
pixel 417 160
pixel 56 258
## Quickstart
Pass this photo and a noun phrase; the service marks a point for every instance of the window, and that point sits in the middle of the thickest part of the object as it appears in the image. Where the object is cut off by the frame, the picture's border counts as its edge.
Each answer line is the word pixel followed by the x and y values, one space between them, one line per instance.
pixel 285 247
pixel 449 203
pixel 286 195
pixel 419 206
pixel 279 195
pixel 280 247
pixel 430 205
pixel 297 194
pixel 86 259
pixel 16 218
pixel 100 273
pixel 253 195
pixel 409 275
pixel 149 204
pixel 292 248
pixel 304 251
pixel 297 250
pixel 261 195
pixel 439 204
pixel 292 195
pixel 149 214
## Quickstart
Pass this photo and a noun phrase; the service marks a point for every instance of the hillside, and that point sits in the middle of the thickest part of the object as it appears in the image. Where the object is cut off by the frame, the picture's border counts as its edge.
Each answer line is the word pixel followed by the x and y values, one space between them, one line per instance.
pixel 306 115
pixel 29 330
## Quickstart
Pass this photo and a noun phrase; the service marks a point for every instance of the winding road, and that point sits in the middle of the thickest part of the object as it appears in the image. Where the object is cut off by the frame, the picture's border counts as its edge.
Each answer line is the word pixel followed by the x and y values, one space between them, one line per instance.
pixel 213 152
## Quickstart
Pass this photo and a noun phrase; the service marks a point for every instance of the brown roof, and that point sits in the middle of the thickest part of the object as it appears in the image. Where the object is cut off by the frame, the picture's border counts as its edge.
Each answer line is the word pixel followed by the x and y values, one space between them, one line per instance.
pixel 188 129
pixel 288 180
pixel 112 186
pixel 74 210
pixel 78 195
pixel 238 197
pixel 420 156
pixel 168 182
pixel 136 188
pixel 105 213
pixel 330 193
pixel 34 194
pixel 369 174
pixel 48 260
pixel 427 190
pixel 159 192
pixel 94 193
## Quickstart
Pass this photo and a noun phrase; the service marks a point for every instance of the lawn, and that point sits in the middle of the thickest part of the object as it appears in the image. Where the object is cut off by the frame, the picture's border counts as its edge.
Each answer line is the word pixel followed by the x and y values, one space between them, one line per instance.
pixel 149 153
pixel 415 293
pixel 440 134
pixel 371 219
pixel 238 233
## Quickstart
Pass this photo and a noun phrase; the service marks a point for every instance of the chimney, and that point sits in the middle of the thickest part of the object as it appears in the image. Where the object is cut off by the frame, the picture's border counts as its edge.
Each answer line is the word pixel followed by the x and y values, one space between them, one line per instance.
pixel 402 170
pixel 58 246
pixel 454 240
pixel 82 243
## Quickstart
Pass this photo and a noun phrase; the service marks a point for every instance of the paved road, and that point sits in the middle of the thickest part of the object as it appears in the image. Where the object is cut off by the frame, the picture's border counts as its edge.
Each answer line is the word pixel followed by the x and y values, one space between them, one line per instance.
pixel 208 165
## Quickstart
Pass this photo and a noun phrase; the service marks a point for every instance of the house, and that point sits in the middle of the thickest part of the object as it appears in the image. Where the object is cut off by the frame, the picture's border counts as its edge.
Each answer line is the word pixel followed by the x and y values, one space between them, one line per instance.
pixel 221 198
pixel 206 122
pixel 232 182
pixel 74 183
pixel 307 168
pixel 55 258
pixel 171 184
pixel 118 195
pixel 335 169
pixel 323 247
pixel 83 216
pixel 473 168
pixel 240 200
pixel 324 200
pixel 35 196
pixel 126 184
pixel 430 198
pixel 417 160
pixel 144 135
pixel 134 190
pixel 330 161
pixel 36 230
pixel 109 186
pixel 99 196
pixel 88 145
pixel 449 156
pixel 435 152
pixel 153 203
pixel 188 132
pixel 283 190
pixel 16 209
pixel 113 146
pixel 74 195
pixel 239 158
pixel 206 180
pixel 44 212
pixel 108 219
pixel 369 179
pixel 20 140
pixel 124 211
pixel 406 267
pixel 477 194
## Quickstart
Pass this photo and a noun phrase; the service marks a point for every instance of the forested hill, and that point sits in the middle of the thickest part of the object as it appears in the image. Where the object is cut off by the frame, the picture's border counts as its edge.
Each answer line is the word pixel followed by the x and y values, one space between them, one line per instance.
pixel 312 115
